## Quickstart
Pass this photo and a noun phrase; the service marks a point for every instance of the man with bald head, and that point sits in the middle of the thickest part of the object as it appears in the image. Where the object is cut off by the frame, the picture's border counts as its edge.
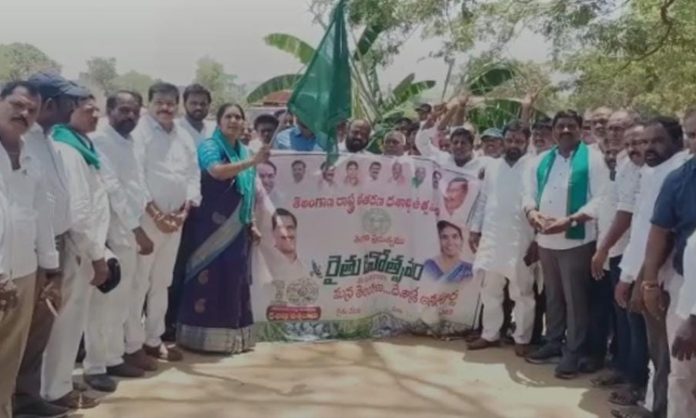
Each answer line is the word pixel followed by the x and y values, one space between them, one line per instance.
pixel 358 136
pixel 598 125
pixel 394 144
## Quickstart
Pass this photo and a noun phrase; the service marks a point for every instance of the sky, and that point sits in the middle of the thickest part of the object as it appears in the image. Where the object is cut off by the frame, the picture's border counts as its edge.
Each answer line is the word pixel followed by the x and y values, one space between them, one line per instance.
pixel 165 38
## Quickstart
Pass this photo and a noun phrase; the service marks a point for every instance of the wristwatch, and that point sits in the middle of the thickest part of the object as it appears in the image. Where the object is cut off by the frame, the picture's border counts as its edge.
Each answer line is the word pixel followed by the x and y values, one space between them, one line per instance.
pixel 574 223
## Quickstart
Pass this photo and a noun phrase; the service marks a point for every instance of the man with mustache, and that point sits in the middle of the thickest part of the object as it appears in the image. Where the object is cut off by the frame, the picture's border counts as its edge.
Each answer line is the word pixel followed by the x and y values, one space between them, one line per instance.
pixel 663 144
pixel 613 217
pixel 461 156
pixel 667 296
pixel 27 237
pixel 126 237
pixel 85 266
pixel 167 159
pixel 394 144
pixel 299 168
pixel 599 118
pixel 542 136
pixel 567 182
pixel 501 239
pixel 197 101
pixel 58 101
pixel 492 143
pixel 358 136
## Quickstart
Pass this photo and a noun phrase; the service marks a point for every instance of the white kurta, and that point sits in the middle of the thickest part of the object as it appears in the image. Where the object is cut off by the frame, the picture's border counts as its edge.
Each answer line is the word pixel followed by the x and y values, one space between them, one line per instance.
pixel 122 177
pixel 171 177
pixel 686 305
pixel 605 211
pixel 123 181
pixel 169 163
pixel 651 180
pixel 30 230
pixel 5 247
pixel 55 176
pixel 505 238
pixel 198 136
pixel 554 198
pixel 505 233
pixel 86 243
pixel 424 143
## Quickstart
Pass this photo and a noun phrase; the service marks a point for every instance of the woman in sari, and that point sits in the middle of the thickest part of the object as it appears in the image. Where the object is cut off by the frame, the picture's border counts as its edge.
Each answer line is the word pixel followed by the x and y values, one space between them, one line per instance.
pixel 215 313
pixel 448 266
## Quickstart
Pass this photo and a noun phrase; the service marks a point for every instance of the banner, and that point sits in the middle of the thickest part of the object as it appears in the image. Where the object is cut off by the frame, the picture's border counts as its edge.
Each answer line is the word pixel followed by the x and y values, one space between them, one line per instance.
pixel 370 246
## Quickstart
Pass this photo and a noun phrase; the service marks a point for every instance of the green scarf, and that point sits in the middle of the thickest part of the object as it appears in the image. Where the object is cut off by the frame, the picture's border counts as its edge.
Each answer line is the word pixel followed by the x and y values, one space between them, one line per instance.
pixel 578 187
pixel 245 181
pixel 66 135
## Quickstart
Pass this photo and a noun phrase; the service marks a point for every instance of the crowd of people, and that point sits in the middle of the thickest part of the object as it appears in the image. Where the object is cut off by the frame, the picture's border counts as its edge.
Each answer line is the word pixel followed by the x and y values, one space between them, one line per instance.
pixel 113 230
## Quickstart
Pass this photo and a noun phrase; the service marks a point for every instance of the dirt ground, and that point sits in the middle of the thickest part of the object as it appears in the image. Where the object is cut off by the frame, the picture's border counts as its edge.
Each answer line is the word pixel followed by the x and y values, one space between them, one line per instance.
pixel 400 377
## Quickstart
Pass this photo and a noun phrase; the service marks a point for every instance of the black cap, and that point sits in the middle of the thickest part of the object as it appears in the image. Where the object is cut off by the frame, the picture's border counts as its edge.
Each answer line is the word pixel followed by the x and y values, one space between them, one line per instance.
pixel 53 85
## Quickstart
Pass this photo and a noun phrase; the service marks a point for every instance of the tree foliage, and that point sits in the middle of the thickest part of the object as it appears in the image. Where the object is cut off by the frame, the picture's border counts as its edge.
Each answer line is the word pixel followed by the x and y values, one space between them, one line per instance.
pixel 211 74
pixel 19 61
pixel 135 81
pixel 101 74
pixel 636 53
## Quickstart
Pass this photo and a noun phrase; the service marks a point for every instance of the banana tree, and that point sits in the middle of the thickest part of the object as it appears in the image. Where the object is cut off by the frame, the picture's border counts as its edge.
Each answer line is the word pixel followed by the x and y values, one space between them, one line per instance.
pixel 369 101
pixel 487 109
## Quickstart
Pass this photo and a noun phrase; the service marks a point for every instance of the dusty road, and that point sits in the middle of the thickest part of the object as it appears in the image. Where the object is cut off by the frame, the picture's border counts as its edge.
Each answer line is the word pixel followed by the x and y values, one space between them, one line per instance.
pixel 401 377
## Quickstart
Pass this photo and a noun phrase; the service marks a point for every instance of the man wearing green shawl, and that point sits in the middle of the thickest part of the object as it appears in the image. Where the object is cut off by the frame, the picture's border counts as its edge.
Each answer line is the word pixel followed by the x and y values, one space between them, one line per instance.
pixel 85 266
pixel 565 184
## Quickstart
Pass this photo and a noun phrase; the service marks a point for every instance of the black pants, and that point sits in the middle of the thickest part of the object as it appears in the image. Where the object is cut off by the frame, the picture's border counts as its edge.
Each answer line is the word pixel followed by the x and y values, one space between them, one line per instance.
pixel 602 314
pixel 631 341
pixel 539 311
pixel 508 306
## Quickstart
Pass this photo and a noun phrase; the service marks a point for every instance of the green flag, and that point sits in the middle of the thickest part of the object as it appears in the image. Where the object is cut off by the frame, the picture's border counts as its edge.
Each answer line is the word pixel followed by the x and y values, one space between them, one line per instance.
pixel 322 97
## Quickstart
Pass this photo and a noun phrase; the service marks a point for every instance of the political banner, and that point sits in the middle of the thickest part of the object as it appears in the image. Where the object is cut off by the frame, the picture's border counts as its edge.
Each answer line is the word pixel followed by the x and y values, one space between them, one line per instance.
pixel 369 246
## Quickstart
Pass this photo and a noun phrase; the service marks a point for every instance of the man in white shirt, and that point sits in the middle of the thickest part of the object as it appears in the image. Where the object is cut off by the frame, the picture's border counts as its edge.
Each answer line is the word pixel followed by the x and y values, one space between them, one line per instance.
pixel 542 136
pixel 659 162
pixel 394 144
pixel 599 118
pixel 566 182
pixel 461 156
pixel 59 98
pixel 171 177
pixel 85 267
pixel 126 238
pixel 501 238
pixel 27 231
pixel 614 220
pixel 602 287
pixel 197 100
pixel 673 221
pixel 684 342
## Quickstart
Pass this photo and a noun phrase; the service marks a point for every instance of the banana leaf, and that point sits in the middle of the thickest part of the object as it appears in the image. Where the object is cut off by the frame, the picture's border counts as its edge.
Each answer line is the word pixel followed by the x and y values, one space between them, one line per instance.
pixel 292 45
pixel 275 84
pixel 489 78
pixel 405 94
pixel 367 40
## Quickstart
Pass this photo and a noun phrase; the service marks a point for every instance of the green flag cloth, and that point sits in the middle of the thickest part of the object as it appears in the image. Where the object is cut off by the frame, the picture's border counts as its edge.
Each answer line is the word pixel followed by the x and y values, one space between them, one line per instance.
pixel 322 97
pixel 577 187
pixel 63 133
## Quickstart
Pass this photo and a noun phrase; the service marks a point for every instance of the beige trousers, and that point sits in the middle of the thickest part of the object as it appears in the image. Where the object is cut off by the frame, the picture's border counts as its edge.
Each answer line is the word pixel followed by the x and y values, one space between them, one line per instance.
pixel 14 330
